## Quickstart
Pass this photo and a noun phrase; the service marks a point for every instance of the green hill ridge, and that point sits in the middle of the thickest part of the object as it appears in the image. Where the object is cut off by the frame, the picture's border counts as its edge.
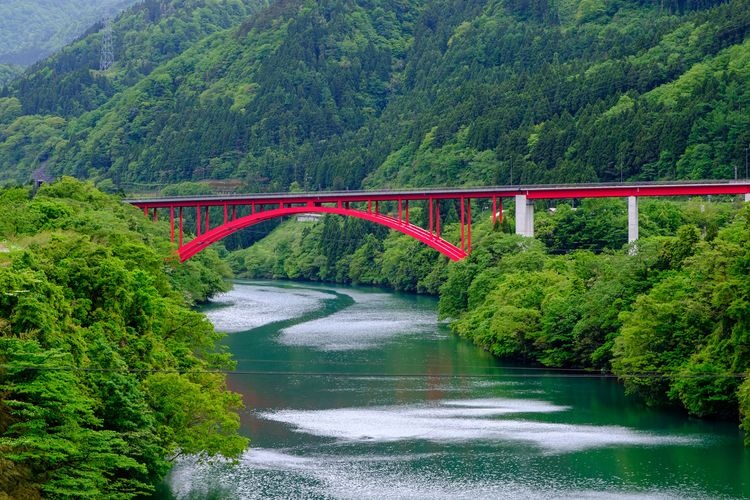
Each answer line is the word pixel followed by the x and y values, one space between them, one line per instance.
pixel 344 94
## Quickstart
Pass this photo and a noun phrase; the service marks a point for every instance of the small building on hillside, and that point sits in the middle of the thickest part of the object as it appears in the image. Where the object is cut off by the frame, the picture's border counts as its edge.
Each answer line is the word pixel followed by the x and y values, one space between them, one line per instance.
pixel 309 217
pixel 41 176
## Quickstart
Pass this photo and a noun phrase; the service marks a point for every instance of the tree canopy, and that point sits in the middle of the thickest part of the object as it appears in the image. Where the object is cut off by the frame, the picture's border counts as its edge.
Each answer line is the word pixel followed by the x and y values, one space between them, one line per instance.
pixel 341 94
pixel 106 374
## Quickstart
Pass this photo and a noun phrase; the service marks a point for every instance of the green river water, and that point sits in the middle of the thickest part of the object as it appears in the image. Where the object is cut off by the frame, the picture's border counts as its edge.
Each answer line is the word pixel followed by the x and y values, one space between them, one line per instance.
pixel 362 394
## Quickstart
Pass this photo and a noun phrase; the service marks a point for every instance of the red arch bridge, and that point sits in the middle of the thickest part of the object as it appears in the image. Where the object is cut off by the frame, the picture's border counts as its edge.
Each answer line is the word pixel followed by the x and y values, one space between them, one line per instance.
pixel 391 208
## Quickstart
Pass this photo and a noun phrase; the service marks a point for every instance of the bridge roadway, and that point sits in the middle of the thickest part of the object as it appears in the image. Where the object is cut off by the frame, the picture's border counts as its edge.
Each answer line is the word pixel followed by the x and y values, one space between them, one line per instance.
pixel 264 206
pixel 535 192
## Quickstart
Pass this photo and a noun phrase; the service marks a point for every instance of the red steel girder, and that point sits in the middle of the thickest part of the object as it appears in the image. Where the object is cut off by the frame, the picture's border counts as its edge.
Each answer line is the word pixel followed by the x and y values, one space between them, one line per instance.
pixel 267 206
pixel 538 192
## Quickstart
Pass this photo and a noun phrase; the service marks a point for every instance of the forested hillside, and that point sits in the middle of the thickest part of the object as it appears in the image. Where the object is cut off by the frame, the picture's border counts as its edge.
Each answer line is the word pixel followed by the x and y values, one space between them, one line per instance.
pixel 145 36
pixel 8 72
pixel 106 374
pixel 32 29
pixel 341 94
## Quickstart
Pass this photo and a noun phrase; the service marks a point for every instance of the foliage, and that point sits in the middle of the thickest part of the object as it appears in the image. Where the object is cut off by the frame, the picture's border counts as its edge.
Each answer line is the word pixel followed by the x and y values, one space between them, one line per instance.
pixel 105 373
pixel 340 94
pixel 392 93
pixel 144 36
pixel 8 72
pixel 26 142
pixel 670 319
pixel 744 396
pixel 691 329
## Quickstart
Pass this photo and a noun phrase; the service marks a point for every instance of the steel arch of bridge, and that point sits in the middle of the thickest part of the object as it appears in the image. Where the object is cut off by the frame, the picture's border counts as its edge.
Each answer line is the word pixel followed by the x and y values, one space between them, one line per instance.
pixel 213 235
pixel 366 205
pixel 260 212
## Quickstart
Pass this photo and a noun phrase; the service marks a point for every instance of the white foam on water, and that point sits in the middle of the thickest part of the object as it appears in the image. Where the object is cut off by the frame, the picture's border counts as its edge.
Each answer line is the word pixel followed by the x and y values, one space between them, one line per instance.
pixel 251 306
pixel 499 383
pixel 265 473
pixel 274 459
pixel 372 320
pixel 463 421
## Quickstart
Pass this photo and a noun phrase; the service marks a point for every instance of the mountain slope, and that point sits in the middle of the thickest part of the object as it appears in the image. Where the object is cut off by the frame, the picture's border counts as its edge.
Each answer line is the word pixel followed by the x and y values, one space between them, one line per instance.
pixel 335 93
pixel 536 101
pixel 144 37
pixel 30 30
pixel 260 99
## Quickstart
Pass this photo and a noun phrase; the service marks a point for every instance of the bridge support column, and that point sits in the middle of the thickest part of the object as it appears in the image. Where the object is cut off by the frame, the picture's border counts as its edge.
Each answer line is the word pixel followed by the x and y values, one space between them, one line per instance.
pixel 632 219
pixel 468 227
pixel 747 197
pixel 530 218
pixel 437 218
pixel 463 225
pixel 179 243
pixel 524 216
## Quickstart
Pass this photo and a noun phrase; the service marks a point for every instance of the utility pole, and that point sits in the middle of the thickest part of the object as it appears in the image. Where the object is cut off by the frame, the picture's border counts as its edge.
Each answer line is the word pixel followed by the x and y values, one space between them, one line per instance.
pixel 747 148
pixel 511 170
pixel 107 57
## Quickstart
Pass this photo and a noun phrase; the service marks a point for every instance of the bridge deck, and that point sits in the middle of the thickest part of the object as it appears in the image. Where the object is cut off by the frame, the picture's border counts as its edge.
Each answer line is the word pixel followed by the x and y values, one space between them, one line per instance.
pixel 562 191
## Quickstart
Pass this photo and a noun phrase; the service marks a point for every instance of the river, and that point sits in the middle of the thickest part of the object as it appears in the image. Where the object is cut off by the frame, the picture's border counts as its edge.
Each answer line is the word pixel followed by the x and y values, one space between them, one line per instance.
pixel 361 393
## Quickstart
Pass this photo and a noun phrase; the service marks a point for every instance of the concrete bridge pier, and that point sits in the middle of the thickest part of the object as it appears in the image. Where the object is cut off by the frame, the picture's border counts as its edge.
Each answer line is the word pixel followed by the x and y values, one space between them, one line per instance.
pixel 632 219
pixel 524 216
pixel 747 197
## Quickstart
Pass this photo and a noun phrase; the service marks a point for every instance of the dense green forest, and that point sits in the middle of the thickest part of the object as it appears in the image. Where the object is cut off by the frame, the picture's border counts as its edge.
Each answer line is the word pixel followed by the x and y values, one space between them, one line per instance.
pixel 341 94
pixel 106 373
pixel 144 37
pixel 8 72
pixel 668 316
pixel 32 29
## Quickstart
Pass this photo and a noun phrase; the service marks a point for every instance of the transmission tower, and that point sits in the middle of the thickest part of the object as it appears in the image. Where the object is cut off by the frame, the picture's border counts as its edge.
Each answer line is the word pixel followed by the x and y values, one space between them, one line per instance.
pixel 166 9
pixel 107 57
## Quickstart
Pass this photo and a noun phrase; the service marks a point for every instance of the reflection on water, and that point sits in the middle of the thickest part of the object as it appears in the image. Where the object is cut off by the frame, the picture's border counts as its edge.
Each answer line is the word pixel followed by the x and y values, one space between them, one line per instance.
pixel 264 473
pixel 247 307
pixel 372 320
pixel 464 421
pixel 378 400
